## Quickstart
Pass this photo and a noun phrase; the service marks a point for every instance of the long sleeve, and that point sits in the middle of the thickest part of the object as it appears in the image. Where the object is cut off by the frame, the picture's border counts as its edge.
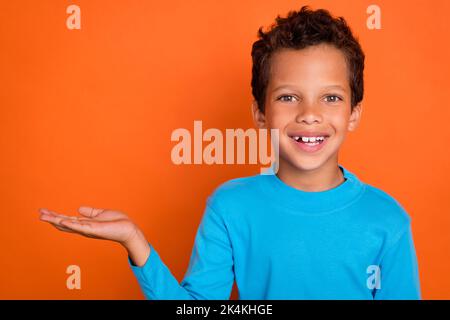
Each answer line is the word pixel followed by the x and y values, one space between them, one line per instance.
pixel 399 271
pixel 210 273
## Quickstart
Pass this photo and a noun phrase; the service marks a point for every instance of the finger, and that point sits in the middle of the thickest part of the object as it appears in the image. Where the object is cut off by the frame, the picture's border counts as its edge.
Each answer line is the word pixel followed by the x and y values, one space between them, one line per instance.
pixel 47 218
pixel 56 218
pixel 83 227
pixel 54 214
pixel 47 211
pixel 59 215
pixel 89 211
pixel 64 229
pixel 43 210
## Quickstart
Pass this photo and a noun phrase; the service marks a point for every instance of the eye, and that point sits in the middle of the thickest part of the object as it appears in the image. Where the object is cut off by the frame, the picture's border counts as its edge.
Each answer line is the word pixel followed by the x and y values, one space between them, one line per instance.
pixel 334 98
pixel 286 98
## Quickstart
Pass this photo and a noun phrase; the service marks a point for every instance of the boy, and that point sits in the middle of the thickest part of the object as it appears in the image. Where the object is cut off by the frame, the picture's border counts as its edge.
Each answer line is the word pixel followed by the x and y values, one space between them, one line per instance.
pixel 313 230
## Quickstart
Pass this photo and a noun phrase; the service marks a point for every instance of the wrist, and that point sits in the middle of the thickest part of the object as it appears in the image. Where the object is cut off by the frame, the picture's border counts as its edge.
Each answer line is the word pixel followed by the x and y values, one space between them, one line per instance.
pixel 134 237
pixel 137 247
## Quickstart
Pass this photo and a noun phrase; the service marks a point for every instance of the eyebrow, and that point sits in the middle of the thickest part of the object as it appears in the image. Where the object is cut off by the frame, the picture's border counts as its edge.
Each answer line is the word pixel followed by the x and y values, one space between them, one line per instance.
pixel 336 86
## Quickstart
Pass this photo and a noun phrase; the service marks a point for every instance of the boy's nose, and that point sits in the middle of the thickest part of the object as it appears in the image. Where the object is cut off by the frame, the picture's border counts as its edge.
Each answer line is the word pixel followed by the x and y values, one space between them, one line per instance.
pixel 308 114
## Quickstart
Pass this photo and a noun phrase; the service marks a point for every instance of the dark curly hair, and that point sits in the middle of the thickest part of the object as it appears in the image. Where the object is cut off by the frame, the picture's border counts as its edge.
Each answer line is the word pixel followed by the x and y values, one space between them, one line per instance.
pixel 299 30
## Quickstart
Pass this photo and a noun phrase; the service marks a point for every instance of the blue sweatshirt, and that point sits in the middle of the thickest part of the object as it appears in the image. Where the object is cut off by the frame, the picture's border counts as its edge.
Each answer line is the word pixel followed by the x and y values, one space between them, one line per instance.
pixel 353 241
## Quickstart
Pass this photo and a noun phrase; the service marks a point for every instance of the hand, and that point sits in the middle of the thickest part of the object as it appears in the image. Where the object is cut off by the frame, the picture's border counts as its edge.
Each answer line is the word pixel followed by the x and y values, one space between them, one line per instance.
pixel 94 223
pixel 103 224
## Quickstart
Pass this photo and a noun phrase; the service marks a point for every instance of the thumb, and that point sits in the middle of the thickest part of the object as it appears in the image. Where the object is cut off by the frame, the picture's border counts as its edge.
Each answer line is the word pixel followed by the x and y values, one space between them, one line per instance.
pixel 89 211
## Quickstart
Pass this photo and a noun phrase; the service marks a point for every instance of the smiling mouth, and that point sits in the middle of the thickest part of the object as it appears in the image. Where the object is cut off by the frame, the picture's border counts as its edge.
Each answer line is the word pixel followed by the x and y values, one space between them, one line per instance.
pixel 310 140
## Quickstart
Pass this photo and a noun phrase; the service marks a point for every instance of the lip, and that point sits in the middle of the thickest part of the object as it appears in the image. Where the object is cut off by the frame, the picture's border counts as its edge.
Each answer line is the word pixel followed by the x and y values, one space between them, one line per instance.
pixel 308 134
pixel 306 148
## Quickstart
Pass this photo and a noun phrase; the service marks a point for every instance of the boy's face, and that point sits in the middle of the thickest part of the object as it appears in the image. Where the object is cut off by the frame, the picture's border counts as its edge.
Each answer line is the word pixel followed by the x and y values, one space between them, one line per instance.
pixel 308 94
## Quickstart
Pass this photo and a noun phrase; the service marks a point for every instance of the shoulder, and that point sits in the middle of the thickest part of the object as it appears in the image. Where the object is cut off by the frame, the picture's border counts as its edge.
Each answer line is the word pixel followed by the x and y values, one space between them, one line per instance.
pixel 386 209
pixel 235 192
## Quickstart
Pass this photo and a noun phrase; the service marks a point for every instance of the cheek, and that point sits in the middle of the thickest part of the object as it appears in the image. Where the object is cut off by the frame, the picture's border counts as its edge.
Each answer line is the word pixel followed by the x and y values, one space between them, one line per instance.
pixel 339 121
pixel 282 115
pixel 278 118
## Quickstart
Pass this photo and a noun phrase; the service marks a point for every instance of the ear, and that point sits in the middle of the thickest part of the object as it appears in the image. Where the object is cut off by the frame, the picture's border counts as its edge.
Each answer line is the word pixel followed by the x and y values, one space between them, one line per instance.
pixel 258 116
pixel 355 117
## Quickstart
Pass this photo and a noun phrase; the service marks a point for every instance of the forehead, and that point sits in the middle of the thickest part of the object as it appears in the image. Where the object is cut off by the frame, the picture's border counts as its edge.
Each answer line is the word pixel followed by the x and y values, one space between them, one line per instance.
pixel 314 65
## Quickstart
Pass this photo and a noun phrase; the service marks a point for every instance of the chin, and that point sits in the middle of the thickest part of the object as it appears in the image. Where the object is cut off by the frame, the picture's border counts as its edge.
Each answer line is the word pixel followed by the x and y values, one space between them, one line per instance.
pixel 302 163
pixel 307 165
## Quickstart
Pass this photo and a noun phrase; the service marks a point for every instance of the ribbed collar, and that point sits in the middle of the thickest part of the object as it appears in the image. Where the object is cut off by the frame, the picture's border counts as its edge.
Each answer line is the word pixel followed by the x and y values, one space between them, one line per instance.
pixel 314 202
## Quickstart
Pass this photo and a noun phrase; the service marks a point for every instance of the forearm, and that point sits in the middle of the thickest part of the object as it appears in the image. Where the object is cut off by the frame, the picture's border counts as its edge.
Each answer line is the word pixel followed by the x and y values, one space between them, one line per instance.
pixel 210 272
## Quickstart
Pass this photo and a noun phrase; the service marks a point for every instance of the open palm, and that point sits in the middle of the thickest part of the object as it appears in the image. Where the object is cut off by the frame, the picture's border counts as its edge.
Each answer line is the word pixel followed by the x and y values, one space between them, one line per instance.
pixel 94 223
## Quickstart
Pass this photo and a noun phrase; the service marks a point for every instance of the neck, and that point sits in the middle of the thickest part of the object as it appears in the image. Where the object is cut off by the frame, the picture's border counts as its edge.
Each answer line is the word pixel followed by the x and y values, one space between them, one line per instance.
pixel 325 177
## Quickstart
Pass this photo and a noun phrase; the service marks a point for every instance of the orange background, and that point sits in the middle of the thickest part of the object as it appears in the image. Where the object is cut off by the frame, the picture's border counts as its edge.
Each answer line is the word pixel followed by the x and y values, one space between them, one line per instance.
pixel 87 115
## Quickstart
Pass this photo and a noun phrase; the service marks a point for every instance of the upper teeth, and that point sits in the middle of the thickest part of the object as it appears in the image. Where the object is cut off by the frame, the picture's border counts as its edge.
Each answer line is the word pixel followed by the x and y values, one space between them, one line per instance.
pixel 309 139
